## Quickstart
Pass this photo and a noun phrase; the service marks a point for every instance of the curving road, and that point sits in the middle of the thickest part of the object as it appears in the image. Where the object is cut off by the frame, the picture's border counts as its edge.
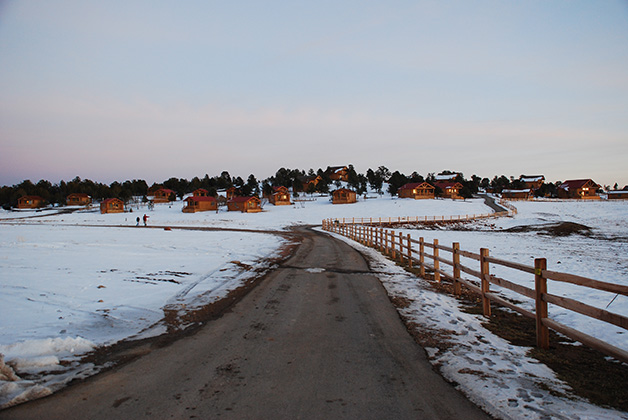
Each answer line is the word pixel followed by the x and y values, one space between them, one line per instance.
pixel 316 339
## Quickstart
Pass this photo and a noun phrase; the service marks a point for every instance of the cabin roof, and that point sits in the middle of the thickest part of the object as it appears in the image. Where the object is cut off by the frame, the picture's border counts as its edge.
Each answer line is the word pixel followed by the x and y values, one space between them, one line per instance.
pixel 447 184
pixel 413 185
pixel 109 200
pixel 344 190
pixel 445 177
pixel 531 178
pixel 197 198
pixel 575 184
pixel 516 191
pixel 243 199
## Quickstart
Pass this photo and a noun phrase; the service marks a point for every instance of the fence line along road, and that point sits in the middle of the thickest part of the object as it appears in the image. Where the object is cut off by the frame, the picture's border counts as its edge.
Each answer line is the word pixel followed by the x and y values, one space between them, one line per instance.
pixel 407 250
pixel 391 221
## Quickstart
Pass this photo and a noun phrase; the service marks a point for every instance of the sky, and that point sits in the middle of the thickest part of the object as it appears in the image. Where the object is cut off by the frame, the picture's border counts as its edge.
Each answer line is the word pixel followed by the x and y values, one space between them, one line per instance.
pixel 151 89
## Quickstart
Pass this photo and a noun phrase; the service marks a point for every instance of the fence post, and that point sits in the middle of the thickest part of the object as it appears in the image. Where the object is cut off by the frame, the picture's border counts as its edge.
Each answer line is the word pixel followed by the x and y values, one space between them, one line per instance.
pixel 456 261
pixel 422 257
pixel 485 285
pixel 400 247
pixel 436 262
pixel 386 241
pixel 409 251
pixel 540 286
pixel 392 244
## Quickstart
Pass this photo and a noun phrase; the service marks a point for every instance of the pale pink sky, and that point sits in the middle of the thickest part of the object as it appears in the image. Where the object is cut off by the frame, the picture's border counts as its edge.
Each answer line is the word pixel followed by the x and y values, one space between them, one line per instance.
pixel 115 91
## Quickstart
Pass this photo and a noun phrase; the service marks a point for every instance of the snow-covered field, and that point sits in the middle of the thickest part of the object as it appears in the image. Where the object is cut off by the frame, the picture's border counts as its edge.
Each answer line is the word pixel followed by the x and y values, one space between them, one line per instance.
pixel 603 255
pixel 70 282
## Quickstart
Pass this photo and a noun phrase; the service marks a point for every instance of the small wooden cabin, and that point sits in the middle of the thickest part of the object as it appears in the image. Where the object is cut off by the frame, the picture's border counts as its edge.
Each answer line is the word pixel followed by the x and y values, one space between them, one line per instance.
pixel 617 195
pixel 338 173
pixel 344 196
pixel 201 192
pixel 280 196
pixel 200 203
pixel 582 189
pixel 244 204
pixel 112 205
pixel 78 199
pixel 30 202
pixel 308 182
pixel 231 192
pixel 526 194
pixel 533 182
pixel 451 189
pixel 416 190
pixel 163 195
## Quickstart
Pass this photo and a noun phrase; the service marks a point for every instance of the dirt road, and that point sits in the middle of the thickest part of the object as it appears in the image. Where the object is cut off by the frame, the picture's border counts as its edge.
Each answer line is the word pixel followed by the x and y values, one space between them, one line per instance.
pixel 317 339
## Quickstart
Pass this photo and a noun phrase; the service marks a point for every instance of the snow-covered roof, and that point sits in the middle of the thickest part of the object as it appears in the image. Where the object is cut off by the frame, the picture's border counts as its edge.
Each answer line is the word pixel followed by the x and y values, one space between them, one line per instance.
pixel 516 191
pixel 532 178
pixel 445 177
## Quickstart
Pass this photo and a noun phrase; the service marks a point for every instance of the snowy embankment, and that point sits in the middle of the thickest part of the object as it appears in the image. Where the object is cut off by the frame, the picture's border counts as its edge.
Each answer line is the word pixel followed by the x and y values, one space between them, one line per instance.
pixel 69 283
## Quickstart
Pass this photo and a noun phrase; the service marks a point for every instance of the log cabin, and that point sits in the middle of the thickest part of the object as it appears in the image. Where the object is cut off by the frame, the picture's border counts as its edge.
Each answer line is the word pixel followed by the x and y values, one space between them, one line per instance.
pixel 244 204
pixel 30 202
pixel 533 182
pixel 280 196
pixel 307 181
pixel 231 192
pixel 581 189
pixel 78 199
pixel 201 192
pixel 338 173
pixel 416 190
pixel 112 205
pixel 200 203
pixel 450 189
pixel 618 194
pixel 163 195
pixel 344 196
pixel 526 194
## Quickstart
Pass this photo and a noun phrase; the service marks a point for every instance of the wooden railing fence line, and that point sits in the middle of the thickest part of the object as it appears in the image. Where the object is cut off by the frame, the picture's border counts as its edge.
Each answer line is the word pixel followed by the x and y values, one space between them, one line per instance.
pixel 414 253
pixel 386 221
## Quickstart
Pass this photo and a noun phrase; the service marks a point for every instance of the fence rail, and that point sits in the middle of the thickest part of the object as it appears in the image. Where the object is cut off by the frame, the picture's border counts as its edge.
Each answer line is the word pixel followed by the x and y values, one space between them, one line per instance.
pixel 389 221
pixel 406 249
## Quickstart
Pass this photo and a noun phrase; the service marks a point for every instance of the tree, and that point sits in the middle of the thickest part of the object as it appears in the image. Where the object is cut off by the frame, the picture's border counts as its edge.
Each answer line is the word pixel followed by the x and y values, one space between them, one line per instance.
pixel 396 181
pixel 375 179
pixel 352 178
pixel 251 187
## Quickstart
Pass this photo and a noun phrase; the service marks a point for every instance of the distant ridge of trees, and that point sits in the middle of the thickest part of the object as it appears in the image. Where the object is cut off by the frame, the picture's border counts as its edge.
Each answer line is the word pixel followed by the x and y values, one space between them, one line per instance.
pixel 290 178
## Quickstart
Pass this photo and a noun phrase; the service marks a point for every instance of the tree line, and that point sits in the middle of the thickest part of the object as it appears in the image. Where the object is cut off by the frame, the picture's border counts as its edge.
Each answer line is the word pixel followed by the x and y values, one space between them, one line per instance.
pixel 376 179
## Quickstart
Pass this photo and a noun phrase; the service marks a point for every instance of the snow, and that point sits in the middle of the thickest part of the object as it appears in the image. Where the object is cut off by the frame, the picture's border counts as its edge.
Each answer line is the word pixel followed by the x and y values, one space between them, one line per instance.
pixel 75 281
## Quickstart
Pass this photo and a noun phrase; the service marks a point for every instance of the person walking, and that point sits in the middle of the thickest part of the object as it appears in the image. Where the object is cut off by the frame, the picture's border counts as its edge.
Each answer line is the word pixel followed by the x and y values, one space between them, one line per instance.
pixel 145 219
pixel 138 221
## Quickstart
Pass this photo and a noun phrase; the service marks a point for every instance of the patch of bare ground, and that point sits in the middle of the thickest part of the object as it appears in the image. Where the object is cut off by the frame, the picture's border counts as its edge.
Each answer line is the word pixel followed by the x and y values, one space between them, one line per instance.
pixel 591 374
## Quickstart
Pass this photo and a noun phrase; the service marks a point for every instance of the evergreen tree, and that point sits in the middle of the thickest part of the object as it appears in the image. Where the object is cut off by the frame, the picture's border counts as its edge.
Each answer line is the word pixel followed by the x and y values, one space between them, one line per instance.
pixel 396 181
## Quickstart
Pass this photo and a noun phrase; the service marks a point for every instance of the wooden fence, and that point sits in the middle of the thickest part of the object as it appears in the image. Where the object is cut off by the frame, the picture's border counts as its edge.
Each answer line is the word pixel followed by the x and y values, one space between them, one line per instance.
pixel 389 221
pixel 413 252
